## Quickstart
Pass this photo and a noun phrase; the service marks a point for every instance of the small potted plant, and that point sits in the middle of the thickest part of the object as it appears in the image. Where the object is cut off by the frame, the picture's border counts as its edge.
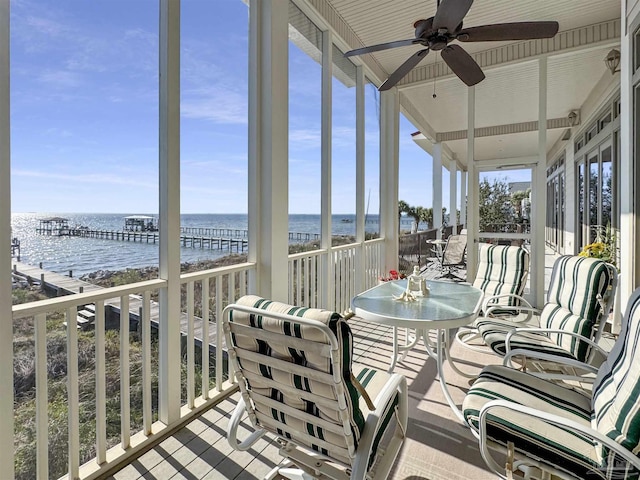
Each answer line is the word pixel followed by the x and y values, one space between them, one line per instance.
pixel 604 246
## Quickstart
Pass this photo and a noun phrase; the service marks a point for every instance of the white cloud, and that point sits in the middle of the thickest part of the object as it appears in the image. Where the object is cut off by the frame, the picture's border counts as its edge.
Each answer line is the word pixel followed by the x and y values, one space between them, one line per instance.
pixel 60 78
pixel 99 178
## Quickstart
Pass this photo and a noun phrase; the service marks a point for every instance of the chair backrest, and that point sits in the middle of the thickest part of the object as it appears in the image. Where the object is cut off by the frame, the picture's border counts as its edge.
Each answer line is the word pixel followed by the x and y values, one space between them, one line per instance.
pixel 616 390
pixel 576 301
pixel 454 250
pixel 295 375
pixel 502 270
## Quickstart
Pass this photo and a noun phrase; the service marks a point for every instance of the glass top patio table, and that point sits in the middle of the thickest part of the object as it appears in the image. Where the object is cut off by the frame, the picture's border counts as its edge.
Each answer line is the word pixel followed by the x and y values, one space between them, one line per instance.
pixel 448 305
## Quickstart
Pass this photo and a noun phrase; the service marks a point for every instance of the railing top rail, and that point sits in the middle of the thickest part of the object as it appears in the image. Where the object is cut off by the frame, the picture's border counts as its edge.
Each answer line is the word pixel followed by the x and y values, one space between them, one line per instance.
pixel 347 246
pixel 68 301
pixel 216 272
pixel 310 253
pixel 374 240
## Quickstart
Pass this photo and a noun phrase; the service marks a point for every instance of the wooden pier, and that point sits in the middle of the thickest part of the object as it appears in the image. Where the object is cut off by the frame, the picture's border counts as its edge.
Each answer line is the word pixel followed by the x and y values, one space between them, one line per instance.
pixel 65 285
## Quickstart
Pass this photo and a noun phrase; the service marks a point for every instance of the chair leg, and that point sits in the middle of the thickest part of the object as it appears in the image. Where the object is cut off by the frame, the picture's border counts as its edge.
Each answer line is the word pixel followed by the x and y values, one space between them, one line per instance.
pixel 288 470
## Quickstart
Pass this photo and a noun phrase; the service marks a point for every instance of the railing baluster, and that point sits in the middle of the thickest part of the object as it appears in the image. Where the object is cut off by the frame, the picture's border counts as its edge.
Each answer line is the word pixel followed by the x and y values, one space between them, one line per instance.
pixel 42 394
pixel 145 333
pixel 219 334
pixel 190 347
pixel 313 290
pixel 72 392
pixel 205 338
pixel 307 282
pixel 125 403
pixel 290 282
pixel 298 280
pixel 101 384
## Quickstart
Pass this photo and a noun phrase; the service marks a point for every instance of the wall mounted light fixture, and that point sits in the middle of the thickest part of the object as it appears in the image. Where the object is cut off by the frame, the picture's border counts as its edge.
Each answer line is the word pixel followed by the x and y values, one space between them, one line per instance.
pixel 613 61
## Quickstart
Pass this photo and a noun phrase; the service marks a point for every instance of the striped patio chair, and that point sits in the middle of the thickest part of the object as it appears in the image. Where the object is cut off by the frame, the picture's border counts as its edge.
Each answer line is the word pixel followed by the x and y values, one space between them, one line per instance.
pixel 570 325
pixel 546 428
pixel 294 369
pixel 502 275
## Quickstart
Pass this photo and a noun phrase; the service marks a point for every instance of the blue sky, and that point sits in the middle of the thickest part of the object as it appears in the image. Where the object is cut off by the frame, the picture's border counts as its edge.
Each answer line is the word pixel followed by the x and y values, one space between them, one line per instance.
pixel 84 93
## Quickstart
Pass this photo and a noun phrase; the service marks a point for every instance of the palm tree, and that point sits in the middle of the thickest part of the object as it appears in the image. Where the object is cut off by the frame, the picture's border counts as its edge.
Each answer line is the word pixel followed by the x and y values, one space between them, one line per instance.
pixel 403 207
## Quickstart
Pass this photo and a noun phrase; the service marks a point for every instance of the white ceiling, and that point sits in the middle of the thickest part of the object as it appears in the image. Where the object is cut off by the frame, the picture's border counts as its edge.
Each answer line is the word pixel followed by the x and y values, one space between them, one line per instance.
pixel 509 94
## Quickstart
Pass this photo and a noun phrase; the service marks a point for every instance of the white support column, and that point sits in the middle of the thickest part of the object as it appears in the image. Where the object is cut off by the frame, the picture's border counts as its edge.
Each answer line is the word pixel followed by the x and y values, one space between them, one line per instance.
pixel 473 227
pixel 389 166
pixel 436 175
pixel 463 198
pixel 169 218
pixel 360 179
pixel 539 202
pixel 453 195
pixel 269 146
pixel 6 326
pixel 328 277
pixel 629 256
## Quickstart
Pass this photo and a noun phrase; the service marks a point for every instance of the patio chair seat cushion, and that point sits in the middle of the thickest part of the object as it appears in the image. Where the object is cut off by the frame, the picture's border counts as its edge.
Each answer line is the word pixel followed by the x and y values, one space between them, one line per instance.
pixel 494 333
pixel 565 450
pixel 615 391
pixel 299 392
pixel 501 270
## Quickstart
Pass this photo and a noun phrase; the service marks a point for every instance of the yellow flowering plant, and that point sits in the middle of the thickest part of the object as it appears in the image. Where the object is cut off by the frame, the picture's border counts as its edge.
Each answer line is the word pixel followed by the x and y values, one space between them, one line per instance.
pixel 604 246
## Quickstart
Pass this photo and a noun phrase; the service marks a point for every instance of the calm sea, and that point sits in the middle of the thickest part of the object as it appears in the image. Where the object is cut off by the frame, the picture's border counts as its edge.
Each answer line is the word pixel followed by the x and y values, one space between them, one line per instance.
pixel 85 255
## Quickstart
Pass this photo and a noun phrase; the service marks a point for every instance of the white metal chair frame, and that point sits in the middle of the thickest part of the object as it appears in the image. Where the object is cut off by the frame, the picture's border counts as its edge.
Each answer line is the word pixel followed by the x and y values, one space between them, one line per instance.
pixel 312 464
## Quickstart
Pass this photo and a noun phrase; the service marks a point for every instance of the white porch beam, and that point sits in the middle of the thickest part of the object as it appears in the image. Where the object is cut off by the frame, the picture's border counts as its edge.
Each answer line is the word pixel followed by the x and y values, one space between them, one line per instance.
pixel 327 288
pixel 539 204
pixel 169 218
pixel 360 178
pixel 436 177
pixel 463 199
pixel 389 167
pixel 453 194
pixel 268 146
pixel 473 228
pixel 6 326
pixel 598 35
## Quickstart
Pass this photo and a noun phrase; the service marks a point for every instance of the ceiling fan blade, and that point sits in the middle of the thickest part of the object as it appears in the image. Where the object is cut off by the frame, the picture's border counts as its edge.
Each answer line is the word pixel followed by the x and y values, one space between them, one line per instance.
pixel 509 31
pixel 403 69
pixel 462 64
pixel 382 46
pixel 450 13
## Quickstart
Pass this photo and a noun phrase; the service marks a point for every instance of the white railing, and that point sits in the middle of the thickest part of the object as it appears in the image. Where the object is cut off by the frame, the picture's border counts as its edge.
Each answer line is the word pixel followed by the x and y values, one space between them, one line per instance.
pixel 88 448
pixel 306 278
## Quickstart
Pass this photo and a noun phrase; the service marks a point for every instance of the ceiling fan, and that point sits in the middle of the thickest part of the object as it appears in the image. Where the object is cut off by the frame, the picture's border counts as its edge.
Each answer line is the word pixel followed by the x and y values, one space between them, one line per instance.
pixel 436 33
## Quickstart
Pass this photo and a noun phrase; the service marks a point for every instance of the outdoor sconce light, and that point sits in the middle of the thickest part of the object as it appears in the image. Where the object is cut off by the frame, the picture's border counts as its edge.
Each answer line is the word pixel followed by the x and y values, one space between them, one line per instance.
pixel 572 118
pixel 613 61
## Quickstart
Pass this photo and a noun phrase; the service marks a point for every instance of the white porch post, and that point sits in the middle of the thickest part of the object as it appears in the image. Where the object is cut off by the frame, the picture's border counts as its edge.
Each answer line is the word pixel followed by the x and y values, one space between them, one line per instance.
pixel 453 194
pixel 629 256
pixel 389 165
pixel 328 278
pixel 539 204
pixel 463 198
pixel 436 173
pixel 473 227
pixel 360 179
pixel 6 326
pixel 268 146
pixel 169 218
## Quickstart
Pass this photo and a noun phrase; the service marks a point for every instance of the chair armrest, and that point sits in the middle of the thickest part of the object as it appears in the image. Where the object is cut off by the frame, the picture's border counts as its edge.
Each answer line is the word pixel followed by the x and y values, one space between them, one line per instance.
pixel 549 357
pixel 546 332
pixel 551 420
pixel 232 429
pixel 518 308
pixel 397 384
pixel 525 307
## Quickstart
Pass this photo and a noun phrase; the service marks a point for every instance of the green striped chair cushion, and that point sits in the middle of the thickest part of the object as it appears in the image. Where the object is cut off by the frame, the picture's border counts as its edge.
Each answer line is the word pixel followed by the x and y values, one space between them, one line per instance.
pixel 573 303
pixel 274 392
pixel 616 391
pixel 563 449
pixel 494 333
pixel 502 269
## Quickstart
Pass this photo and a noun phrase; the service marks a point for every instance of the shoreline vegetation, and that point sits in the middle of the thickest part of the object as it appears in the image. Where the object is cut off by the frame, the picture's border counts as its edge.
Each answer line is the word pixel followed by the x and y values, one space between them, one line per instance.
pixel 24 370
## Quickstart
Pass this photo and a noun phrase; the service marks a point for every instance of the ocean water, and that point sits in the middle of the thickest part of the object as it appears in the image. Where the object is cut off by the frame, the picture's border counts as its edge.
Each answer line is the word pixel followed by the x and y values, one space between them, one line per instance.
pixel 86 255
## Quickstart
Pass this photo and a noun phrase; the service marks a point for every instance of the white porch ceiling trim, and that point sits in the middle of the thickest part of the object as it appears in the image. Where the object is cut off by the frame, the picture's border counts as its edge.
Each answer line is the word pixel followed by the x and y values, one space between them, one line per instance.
pixel 552 123
pixel 589 36
pixel 325 16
